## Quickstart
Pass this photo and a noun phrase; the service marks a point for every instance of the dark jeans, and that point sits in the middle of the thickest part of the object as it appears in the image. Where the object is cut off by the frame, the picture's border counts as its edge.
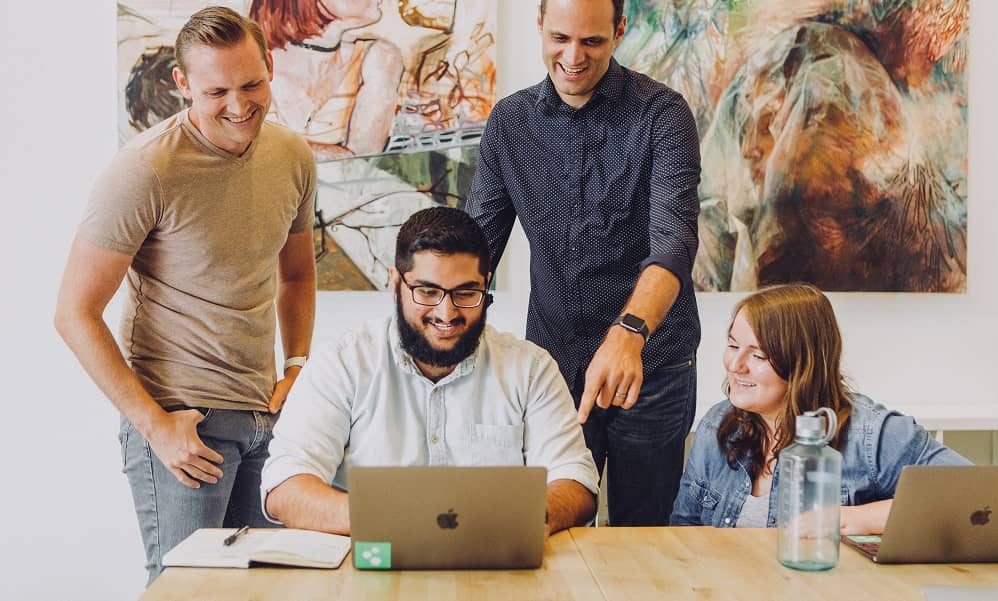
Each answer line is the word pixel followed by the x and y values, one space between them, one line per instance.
pixel 643 446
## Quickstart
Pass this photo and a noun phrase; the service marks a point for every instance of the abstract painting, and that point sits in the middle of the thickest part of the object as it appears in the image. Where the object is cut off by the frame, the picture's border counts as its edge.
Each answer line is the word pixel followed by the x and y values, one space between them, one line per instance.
pixel 833 136
pixel 391 96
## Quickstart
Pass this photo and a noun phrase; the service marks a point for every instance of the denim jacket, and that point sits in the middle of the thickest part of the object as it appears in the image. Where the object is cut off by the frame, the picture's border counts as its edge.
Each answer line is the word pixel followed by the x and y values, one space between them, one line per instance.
pixel 876 444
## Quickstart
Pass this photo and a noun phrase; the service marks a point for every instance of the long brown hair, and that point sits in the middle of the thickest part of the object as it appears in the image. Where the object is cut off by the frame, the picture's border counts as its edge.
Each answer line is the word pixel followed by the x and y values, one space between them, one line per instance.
pixel 796 328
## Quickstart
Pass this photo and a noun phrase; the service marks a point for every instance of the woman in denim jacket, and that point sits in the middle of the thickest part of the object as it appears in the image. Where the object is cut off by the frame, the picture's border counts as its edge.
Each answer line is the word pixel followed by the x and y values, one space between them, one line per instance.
pixel 782 359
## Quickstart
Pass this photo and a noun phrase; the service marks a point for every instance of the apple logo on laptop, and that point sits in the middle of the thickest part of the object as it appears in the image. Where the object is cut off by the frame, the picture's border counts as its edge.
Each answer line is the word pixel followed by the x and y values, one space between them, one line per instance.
pixel 981 516
pixel 447 521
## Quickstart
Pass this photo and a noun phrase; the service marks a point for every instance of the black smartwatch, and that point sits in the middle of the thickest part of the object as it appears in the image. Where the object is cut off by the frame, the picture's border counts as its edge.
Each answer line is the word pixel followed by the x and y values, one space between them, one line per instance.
pixel 633 323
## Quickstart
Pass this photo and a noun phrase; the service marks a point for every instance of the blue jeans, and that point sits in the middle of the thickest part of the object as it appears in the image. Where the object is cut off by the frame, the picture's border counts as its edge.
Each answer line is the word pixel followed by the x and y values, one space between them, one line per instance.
pixel 643 446
pixel 168 511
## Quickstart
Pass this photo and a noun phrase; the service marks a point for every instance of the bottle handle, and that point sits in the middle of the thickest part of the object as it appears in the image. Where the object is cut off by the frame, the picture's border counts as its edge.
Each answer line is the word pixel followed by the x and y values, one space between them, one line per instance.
pixel 831 422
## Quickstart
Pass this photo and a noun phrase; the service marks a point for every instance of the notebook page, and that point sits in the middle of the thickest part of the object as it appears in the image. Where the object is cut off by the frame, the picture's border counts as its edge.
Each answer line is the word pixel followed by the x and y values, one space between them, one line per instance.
pixel 303 548
pixel 204 548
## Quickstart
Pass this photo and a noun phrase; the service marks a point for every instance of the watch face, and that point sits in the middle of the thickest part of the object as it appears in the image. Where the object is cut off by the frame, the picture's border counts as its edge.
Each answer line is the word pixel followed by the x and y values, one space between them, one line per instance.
pixel 632 322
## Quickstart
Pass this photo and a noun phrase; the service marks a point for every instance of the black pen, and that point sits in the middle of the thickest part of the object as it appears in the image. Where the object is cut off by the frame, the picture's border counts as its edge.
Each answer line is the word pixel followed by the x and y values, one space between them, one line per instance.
pixel 232 537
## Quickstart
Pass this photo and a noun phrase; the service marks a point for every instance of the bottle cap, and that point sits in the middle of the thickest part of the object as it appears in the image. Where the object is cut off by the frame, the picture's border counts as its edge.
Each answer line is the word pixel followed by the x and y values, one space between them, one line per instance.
pixel 811 427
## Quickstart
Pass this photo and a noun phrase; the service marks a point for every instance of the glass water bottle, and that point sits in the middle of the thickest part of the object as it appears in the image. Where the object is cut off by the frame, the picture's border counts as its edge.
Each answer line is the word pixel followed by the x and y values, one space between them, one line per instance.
pixel 808 493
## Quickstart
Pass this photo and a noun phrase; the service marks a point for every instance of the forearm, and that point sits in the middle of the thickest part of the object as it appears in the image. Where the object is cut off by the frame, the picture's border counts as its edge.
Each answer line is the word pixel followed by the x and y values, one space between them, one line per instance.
pixel 304 501
pixel 865 519
pixel 614 375
pixel 296 315
pixel 654 293
pixel 568 504
pixel 91 341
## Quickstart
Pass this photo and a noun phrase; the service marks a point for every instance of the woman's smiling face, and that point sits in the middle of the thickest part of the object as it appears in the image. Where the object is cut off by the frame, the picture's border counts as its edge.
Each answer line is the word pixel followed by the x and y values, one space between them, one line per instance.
pixel 753 383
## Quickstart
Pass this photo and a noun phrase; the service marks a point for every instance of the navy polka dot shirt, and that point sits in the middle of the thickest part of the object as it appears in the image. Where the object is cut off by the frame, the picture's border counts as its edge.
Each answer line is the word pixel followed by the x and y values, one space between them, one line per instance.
pixel 601 192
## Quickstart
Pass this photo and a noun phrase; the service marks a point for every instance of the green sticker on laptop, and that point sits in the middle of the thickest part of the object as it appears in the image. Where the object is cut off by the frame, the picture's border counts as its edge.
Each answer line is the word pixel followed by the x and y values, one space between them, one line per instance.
pixel 372 556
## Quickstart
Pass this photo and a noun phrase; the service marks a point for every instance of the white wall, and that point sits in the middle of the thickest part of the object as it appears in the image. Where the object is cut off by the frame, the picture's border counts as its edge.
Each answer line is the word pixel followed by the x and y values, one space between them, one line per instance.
pixel 70 532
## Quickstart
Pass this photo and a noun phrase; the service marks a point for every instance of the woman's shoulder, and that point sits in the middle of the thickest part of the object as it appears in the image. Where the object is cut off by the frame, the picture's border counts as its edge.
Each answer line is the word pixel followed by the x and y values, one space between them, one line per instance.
pixel 866 412
pixel 864 403
pixel 878 423
pixel 711 420
pixel 706 456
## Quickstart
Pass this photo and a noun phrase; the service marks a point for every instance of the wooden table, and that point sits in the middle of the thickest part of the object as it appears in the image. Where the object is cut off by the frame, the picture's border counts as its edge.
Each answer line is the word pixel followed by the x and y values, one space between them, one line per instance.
pixel 563 575
pixel 734 564
pixel 595 564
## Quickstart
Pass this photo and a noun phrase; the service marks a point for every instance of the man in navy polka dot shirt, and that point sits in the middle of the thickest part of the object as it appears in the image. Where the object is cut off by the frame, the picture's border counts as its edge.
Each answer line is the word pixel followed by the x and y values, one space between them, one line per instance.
pixel 601 165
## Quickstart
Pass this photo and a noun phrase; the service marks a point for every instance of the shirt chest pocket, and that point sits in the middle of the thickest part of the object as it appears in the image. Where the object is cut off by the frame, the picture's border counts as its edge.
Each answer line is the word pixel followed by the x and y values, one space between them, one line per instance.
pixel 708 499
pixel 496 444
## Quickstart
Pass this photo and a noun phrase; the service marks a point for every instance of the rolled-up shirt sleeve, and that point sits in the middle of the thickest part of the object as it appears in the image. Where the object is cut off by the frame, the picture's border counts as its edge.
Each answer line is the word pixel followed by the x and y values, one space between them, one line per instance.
pixel 552 436
pixel 674 205
pixel 312 433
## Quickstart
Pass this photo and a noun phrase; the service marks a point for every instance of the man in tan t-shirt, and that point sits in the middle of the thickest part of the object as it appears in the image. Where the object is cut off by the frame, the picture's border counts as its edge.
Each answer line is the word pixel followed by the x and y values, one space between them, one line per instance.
pixel 209 215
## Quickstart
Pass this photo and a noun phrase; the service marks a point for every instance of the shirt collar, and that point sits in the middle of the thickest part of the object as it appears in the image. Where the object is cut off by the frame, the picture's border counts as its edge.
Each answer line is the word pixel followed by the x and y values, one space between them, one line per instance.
pixel 610 86
pixel 188 125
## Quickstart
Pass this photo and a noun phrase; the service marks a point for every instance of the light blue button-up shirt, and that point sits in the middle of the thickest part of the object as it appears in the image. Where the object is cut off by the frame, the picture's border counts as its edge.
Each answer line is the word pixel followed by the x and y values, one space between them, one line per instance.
pixel 362 401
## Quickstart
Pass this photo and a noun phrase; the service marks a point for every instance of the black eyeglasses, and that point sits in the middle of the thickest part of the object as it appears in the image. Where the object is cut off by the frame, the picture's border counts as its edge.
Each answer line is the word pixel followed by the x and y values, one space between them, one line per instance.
pixel 431 296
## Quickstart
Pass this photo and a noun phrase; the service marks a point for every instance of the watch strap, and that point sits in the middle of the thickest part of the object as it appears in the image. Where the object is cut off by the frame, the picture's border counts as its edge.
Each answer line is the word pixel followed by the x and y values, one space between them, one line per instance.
pixel 643 330
pixel 294 362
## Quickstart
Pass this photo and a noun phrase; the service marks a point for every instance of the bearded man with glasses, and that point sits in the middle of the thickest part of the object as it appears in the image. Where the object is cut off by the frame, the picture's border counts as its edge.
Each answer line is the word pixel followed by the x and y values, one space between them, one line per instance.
pixel 431 385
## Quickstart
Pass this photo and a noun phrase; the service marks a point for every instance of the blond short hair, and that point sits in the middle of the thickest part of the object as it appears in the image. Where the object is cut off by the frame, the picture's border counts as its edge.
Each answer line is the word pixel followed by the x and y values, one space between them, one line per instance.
pixel 216 27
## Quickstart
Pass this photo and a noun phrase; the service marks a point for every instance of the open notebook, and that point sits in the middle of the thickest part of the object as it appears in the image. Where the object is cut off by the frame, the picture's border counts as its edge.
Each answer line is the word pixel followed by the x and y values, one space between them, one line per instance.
pixel 303 548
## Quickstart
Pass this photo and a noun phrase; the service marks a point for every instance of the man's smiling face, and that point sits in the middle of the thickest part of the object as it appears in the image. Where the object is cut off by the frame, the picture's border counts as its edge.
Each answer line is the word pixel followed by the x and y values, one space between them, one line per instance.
pixel 439 337
pixel 577 41
pixel 229 90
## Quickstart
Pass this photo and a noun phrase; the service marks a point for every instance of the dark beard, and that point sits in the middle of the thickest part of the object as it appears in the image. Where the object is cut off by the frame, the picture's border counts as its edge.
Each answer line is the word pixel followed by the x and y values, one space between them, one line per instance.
pixel 419 348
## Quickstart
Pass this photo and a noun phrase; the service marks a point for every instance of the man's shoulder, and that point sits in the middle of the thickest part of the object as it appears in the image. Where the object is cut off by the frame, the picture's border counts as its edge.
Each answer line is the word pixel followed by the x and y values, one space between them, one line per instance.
pixel 288 143
pixel 154 147
pixel 356 353
pixel 169 150
pixel 156 136
pixel 131 166
pixel 362 337
pixel 512 346
pixel 517 101
pixel 645 90
pixel 140 165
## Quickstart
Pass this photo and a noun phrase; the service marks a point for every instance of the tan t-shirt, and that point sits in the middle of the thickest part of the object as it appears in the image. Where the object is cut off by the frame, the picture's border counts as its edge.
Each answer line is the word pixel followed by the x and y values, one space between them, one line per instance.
pixel 205 228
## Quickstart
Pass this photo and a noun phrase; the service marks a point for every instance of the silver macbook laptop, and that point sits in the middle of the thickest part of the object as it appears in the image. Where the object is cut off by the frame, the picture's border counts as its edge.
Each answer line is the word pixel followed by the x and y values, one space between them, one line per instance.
pixel 941 514
pixel 447 517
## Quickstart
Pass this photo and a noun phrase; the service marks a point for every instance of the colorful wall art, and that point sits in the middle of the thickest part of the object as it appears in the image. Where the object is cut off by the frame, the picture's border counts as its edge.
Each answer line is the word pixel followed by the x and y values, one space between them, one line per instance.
pixel 391 96
pixel 833 136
